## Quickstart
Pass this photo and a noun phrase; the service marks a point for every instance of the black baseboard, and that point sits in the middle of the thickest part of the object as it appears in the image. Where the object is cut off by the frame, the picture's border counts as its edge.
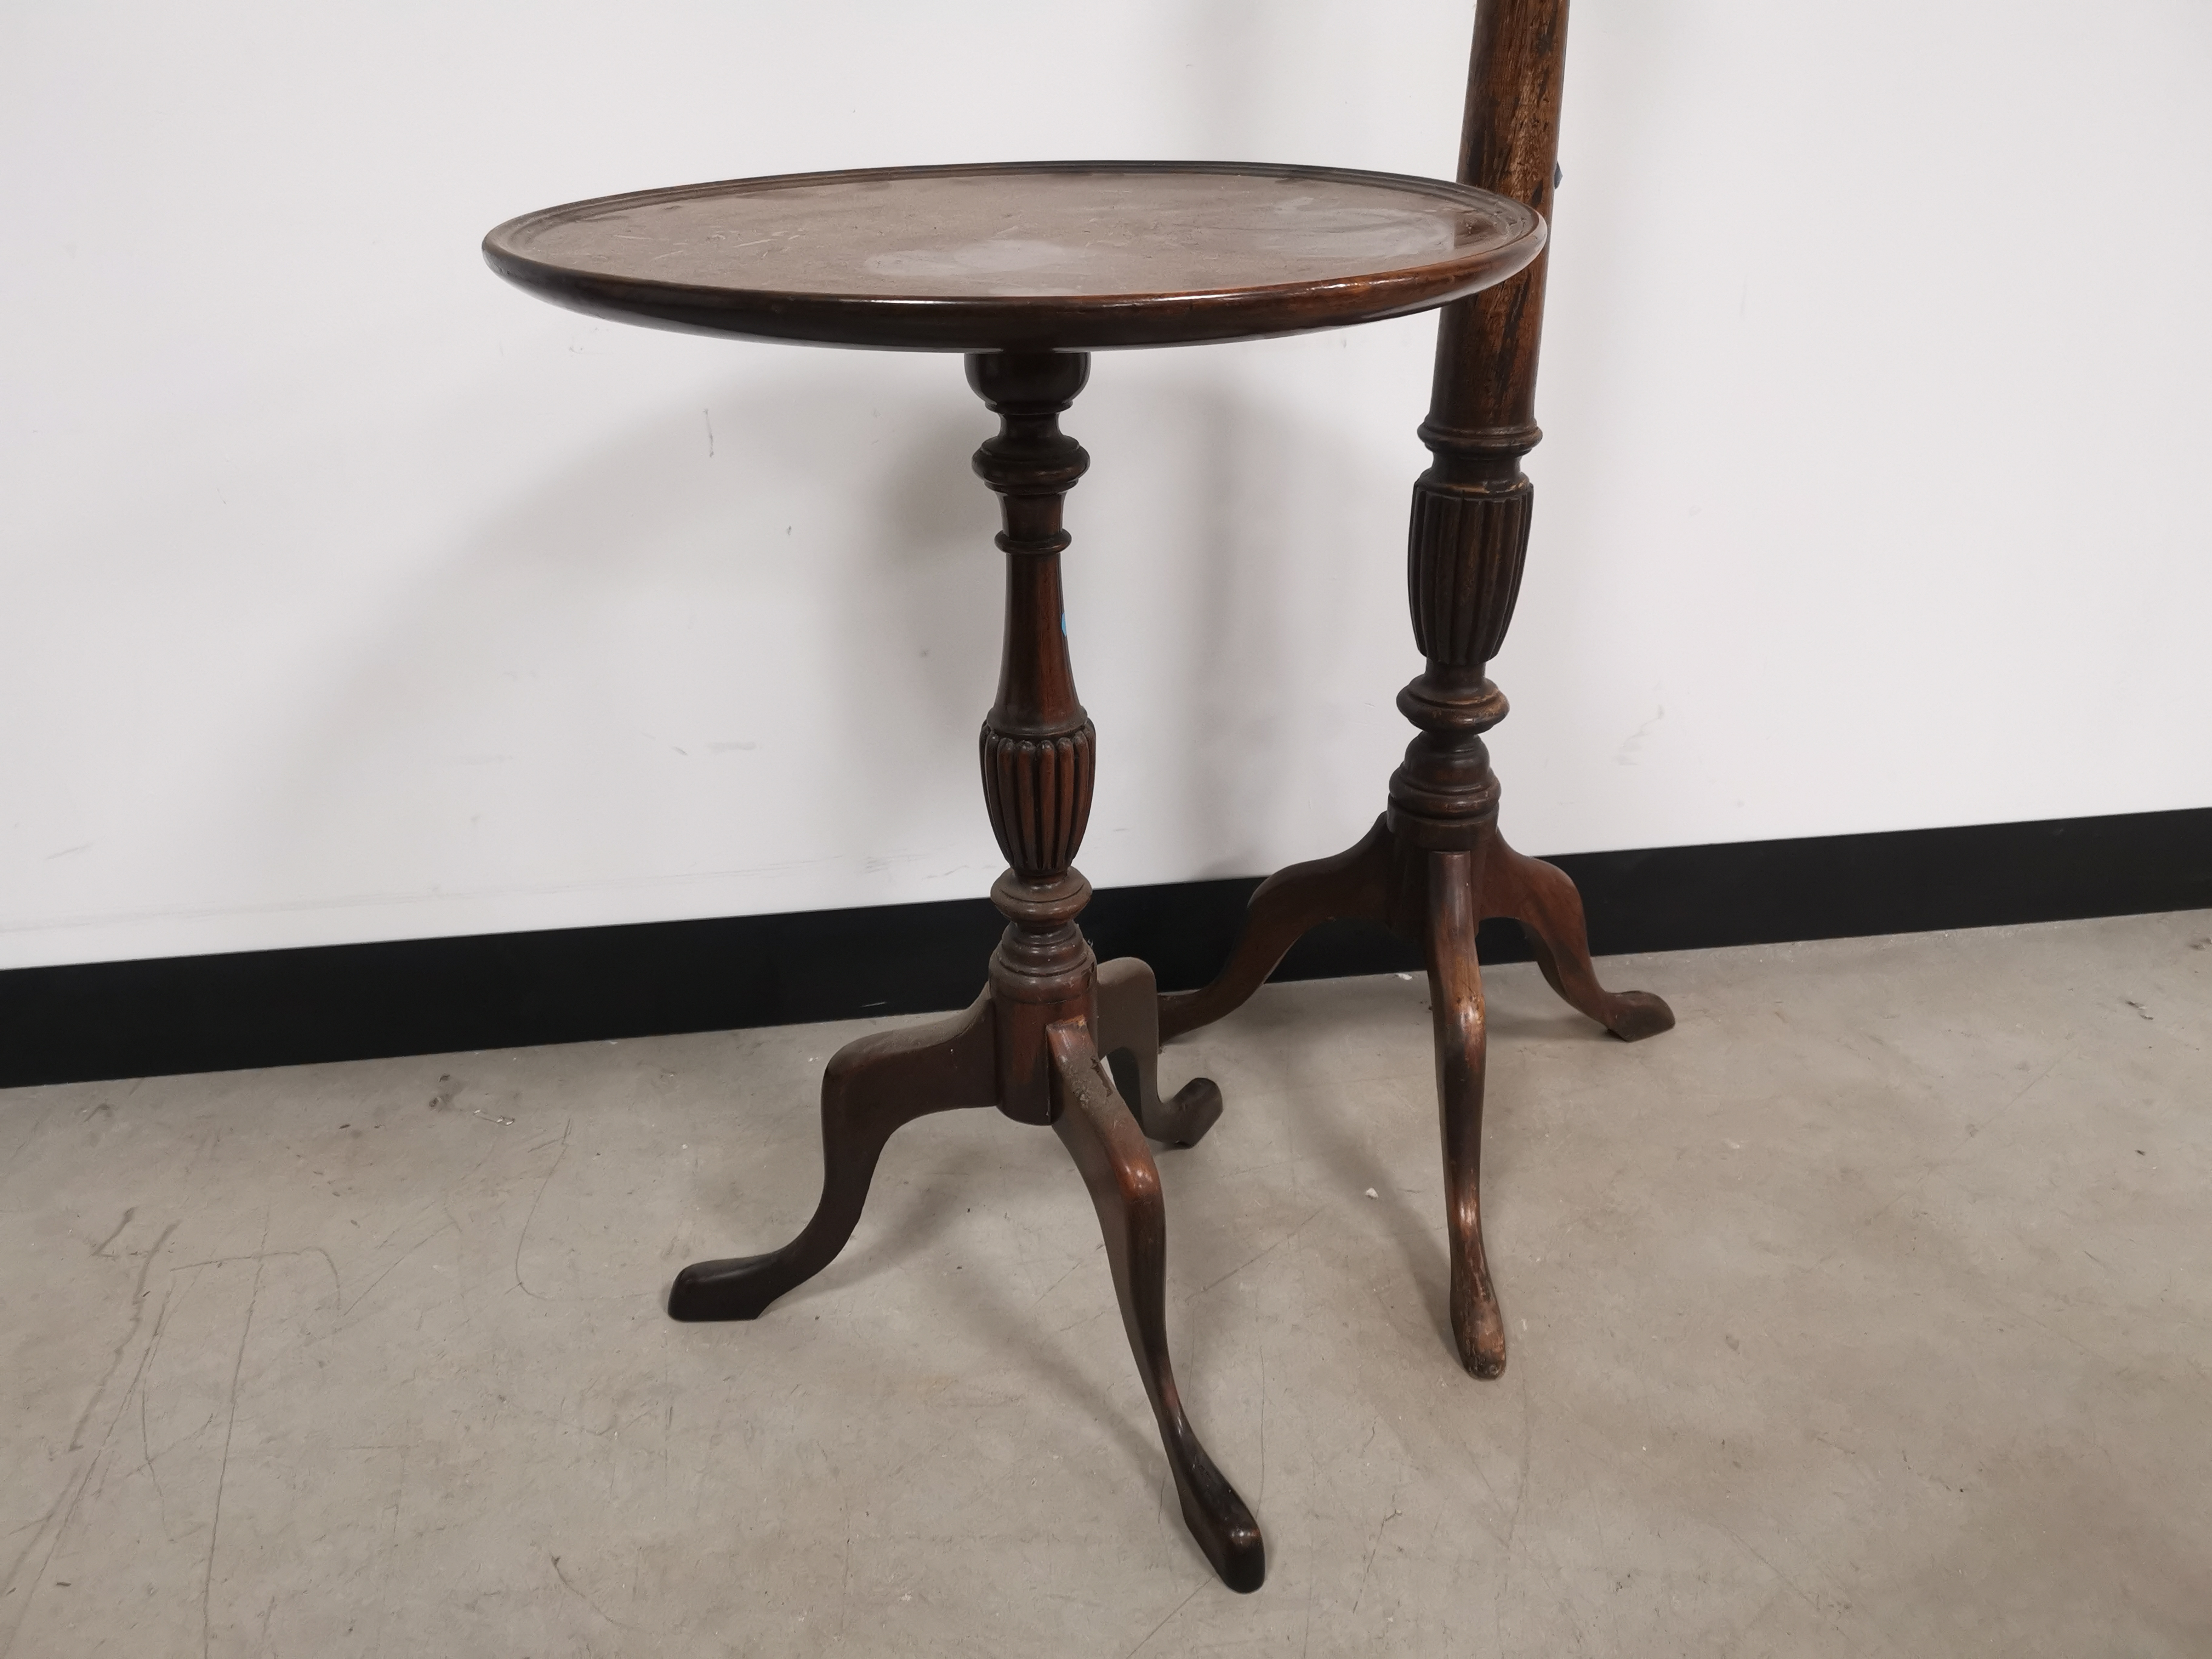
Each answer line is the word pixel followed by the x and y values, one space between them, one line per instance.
pixel 118 1019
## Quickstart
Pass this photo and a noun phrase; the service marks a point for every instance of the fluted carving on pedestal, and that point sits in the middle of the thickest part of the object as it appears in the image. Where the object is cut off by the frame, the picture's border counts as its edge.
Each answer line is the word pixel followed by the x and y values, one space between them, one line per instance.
pixel 1038 791
pixel 1463 558
pixel 1464 548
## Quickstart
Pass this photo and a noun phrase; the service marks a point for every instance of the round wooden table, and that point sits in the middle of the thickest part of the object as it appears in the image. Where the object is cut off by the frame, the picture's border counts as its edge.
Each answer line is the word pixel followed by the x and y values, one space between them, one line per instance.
pixel 1026 269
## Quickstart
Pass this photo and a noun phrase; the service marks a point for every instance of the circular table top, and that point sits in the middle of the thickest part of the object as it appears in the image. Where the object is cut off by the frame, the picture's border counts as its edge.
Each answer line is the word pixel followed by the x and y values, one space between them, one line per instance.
pixel 1060 255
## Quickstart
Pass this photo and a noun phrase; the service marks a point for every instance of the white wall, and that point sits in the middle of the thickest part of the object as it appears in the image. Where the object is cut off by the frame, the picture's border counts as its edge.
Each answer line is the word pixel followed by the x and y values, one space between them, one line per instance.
pixel 349 594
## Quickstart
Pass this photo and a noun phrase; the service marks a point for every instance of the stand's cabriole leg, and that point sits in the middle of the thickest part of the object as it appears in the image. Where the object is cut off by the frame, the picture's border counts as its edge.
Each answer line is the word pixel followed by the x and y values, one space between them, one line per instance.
pixel 1287 905
pixel 870 1088
pixel 1542 898
pixel 1109 1150
pixel 1455 1002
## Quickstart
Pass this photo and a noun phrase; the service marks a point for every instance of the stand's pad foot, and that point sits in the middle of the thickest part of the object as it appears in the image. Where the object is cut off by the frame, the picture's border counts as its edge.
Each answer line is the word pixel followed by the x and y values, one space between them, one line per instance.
pixel 1478 1325
pixel 1637 1015
pixel 1195 1108
pixel 1223 1527
pixel 740 1287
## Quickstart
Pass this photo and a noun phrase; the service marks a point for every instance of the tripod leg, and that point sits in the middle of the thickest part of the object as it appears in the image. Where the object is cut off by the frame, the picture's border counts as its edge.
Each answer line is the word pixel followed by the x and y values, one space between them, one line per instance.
pixel 1355 883
pixel 872 1087
pixel 1456 998
pixel 1109 1150
pixel 1129 1037
pixel 1543 900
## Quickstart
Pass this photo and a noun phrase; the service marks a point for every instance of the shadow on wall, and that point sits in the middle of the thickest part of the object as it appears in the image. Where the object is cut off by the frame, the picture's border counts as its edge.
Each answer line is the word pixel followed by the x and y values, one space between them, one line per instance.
pixel 755 639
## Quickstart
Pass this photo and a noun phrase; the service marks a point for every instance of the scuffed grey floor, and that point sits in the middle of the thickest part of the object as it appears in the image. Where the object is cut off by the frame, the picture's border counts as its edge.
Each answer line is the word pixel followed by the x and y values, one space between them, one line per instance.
pixel 1870 1311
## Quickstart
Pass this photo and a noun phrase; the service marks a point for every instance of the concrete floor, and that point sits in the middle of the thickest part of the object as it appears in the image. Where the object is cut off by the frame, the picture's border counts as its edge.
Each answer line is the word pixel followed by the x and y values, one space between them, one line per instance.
pixel 1867 1312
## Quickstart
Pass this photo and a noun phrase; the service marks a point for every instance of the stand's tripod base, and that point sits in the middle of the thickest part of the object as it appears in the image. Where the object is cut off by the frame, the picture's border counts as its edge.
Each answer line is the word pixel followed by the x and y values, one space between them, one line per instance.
pixel 876 1084
pixel 1435 900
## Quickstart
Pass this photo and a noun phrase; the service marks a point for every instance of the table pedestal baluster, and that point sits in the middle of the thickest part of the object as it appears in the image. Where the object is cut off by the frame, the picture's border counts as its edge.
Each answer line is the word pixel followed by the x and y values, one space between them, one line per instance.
pixel 1035 1044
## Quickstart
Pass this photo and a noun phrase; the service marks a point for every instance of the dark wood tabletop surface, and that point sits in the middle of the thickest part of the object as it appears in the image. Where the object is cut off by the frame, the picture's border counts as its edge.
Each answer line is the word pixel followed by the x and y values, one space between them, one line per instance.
pixel 1066 255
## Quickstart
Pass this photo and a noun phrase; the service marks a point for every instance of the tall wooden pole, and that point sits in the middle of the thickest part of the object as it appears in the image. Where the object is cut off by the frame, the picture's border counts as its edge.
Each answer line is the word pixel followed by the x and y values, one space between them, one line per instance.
pixel 1471 509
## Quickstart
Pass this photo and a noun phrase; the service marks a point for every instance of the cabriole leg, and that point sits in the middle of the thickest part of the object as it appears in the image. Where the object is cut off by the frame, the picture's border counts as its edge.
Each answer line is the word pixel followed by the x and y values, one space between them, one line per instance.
pixel 1542 898
pixel 1129 1037
pixel 1109 1150
pixel 870 1088
pixel 1455 1000
pixel 1288 905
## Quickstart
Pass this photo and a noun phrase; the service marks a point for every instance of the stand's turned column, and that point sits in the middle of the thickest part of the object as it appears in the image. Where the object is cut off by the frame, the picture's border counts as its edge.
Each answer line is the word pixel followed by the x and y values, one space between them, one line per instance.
pixel 1037 743
pixel 1471 509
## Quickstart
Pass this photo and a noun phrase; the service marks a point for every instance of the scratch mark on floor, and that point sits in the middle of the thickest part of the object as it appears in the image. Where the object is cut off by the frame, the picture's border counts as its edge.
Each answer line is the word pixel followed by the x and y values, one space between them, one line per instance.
pixel 146 1459
pixel 16 1152
pixel 1162 1625
pixel 1528 1436
pixel 1257 1255
pixel 1374 1546
pixel 1934 1166
pixel 396 1261
pixel 137 1317
pixel 76 1492
pixel 1794 1589
pixel 265 1255
pixel 222 1474
pixel 568 1586
pixel 37 1530
pixel 1063 1279
pixel 100 1248
pixel 1604 1555
pixel 523 1237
